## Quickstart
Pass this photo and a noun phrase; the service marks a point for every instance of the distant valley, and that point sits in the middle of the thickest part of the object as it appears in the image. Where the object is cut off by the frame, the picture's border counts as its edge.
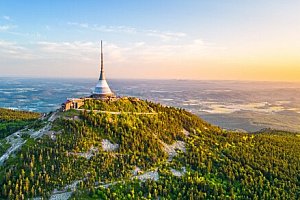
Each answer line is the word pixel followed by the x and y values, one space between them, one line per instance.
pixel 241 105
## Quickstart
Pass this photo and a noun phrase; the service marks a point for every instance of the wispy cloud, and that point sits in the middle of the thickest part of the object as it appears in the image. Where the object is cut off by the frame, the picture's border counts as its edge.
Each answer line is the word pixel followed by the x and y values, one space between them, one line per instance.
pixel 81 51
pixel 140 51
pixel 81 25
pixel 67 50
pixel 13 50
pixel 82 57
pixel 6 17
pixel 47 27
pixel 103 28
pixel 195 48
pixel 163 35
pixel 88 51
pixel 116 29
pixel 4 28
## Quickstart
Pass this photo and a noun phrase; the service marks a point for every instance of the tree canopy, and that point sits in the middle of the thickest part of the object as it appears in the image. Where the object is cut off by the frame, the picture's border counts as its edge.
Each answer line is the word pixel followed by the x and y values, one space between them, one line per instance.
pixel 216 164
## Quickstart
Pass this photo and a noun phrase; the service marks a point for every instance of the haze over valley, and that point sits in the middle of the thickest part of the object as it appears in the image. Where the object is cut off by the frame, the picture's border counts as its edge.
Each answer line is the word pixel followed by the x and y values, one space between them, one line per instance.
pixel 234 105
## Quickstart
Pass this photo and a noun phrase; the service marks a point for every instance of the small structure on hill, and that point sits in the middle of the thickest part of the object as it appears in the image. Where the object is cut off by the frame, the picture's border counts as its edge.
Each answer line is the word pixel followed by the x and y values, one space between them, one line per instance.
pixel 102 90
pixel 73 103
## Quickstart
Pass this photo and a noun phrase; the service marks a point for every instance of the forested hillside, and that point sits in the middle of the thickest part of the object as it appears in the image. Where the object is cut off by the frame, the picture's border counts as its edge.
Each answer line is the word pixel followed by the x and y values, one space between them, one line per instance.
pixel 13 120
pixel 125 105
pixel 153 152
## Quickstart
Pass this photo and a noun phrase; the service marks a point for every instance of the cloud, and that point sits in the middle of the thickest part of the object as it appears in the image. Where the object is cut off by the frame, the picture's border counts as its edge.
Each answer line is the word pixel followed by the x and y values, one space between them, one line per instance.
pixel 4 28
pixel 163 35
pixel 13 50
pixel 81 25
pixel 68 50
pixel 103 28
pixel 80 53
pixel 82 57
pixel 138 51
pixel 47 27
pixel 69 47
pixel 158 52
pixel 6 17
pixel 139 44
pixel 88 51
pixel 115 29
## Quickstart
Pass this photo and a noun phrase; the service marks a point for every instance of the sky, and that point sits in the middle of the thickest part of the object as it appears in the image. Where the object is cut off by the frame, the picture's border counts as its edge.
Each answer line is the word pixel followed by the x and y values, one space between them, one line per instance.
pixel 154 39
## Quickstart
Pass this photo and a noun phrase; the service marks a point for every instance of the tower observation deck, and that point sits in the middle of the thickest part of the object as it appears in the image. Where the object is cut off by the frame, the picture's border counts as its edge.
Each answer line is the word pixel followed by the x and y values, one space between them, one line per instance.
pixel 102 89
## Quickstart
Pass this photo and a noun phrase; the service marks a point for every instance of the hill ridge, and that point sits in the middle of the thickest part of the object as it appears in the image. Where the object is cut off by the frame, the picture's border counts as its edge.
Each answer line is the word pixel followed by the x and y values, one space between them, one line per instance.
pixel 184 156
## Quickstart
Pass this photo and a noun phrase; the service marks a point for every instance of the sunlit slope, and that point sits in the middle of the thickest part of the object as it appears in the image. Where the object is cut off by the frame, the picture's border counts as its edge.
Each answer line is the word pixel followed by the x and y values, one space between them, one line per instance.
pixel 13 120
pixel 137 149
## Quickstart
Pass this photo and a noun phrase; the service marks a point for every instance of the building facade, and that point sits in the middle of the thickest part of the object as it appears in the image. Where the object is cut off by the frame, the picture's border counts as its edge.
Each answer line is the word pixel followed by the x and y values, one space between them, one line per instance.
pixel 73 104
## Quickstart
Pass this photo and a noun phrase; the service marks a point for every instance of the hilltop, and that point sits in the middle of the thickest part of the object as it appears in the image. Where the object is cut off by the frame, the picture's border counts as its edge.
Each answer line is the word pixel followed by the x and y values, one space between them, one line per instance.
pixel 135 149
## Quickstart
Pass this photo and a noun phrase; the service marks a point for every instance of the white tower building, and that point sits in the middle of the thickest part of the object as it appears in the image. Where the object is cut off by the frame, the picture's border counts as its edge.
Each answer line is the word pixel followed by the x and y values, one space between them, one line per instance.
pixel 102 89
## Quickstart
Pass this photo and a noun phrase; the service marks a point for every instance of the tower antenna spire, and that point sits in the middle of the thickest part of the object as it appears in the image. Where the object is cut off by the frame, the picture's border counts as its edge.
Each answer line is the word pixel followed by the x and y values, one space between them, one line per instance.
pixel 102 77
pixel 102 89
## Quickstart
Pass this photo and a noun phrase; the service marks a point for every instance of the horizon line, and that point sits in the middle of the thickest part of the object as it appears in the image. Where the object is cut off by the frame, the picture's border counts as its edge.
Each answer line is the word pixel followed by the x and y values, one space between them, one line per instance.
pixel 154 79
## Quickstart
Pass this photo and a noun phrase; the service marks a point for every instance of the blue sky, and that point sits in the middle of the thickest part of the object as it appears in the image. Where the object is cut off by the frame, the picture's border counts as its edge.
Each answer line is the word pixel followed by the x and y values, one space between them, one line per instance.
pixel 191 39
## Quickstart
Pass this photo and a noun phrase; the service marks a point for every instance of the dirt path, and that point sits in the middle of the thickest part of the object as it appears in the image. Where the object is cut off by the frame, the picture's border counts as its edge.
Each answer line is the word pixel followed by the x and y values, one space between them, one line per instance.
pixel 118 113
pixel 16 141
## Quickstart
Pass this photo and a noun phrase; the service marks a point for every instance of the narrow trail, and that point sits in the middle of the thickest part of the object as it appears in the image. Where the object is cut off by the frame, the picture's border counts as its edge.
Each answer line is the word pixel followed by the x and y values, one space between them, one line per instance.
pixel 151 174
pixel 118 113
pixel 16 141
